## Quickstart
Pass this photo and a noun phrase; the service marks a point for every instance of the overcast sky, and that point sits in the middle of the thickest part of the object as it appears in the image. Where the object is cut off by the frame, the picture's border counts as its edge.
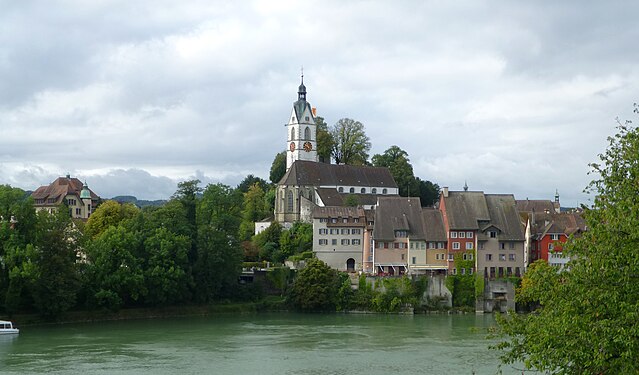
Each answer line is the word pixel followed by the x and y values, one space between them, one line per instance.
pixel 134 96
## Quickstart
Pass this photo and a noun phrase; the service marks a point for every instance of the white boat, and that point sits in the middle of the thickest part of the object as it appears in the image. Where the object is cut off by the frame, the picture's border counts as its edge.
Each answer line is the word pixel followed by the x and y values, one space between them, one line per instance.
pixel 6 328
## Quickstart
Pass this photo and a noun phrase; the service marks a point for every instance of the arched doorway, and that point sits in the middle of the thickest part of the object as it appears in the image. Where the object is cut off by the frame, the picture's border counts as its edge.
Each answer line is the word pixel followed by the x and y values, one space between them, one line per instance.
pixel 350 265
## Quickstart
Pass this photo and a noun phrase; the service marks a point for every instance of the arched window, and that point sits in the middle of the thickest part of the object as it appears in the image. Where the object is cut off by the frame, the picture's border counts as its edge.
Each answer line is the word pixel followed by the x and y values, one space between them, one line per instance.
pixel 292 134
pixel 384 191
pixel 374 191
pixel 351 190
pixel 290 201
pixel 363 191
pixel 307 133
pixel 341 189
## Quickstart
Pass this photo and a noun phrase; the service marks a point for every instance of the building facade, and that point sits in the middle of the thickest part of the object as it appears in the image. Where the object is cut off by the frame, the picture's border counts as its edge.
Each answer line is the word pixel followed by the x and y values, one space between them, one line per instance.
pixel 339 237
pixel 67 191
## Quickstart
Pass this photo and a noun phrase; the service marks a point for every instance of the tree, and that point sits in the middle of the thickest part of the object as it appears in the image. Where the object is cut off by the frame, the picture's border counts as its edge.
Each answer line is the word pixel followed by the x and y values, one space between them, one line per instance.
pixel 218 265
pixel 278 167
pixel 110 213
pixel 220 208
pixel 296 240
pixel 587 321
pixel 251 180
pixel 315 288
pixel 427 191
pixel 397 162
pixel 351 144
pixel 325 141
pixel 254 209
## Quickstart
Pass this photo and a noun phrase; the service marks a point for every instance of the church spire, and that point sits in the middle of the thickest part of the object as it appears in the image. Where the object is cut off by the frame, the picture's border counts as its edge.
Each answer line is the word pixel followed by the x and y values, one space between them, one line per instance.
pixel 301 92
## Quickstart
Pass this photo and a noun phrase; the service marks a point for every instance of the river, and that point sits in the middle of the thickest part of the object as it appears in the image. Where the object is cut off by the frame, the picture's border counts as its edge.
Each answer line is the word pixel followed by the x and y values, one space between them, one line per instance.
pixel 310 344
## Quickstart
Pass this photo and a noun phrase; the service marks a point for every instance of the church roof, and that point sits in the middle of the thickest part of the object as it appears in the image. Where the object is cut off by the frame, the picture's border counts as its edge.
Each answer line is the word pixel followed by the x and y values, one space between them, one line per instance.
pixel 311 173
pixel 331 197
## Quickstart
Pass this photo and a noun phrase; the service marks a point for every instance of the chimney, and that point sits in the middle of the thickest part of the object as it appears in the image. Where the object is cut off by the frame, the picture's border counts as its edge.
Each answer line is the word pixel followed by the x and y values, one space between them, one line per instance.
pixel 445 191
pixel 314 110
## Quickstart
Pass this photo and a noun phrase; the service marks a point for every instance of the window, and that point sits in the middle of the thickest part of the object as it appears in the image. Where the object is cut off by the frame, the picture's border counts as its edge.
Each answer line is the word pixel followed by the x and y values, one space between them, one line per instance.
pixel 307 132
pixel 462 234
pixel 437 256
pixel 450 256
pixel 292 134
pixel 356 220
pixel 307 119
pixel 403 255
pixel 363 191
pixel 509 271
pixel 386 245
pixel 323 220
pixel 323 241
pixel 440 245
pixel 400 233
pixel 334 220
pixel 465 256
pixel 356 231
pixel 511 245
pixel 412 245
pixel 489 257
pixel 502 245
pixel 374 191
pixel 414 260
pixel 351 190
pixel 554 237
pixel 384 191
pixel 78 211
pixel 334 241
pixel 463 271
pixel 380 245
pixel 511 257
pixel 334 231
pixel 502 257
pixel 455 245
pixel 431 245
pixel 423 245
pixel 355 242
pixel 396 245
pixel 341 189
pixel 345 220
pixel 481 245
pixel 402 245
pixel 551 247
pixel 469 245
pixel 453 234
pixel 469 234
pixel 470 271
pixel 492 234
pixel 323 231
pixel 345 231
pixel 346 242
pixel 290 200
pixel 454 271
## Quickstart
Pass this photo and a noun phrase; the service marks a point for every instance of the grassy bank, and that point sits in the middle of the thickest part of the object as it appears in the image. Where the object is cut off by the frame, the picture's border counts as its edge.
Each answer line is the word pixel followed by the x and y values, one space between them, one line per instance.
pixel 270 303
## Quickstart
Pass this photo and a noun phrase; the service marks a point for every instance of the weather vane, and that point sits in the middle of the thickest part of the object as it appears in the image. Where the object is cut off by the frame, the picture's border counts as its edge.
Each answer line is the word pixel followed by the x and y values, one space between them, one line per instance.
pixel 302 69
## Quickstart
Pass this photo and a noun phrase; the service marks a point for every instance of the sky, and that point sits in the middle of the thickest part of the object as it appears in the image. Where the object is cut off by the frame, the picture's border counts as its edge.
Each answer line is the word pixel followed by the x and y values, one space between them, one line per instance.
pixel 134 96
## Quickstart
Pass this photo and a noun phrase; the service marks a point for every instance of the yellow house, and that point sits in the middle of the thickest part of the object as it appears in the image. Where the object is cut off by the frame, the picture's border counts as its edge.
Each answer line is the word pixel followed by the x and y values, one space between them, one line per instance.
pixel 66 190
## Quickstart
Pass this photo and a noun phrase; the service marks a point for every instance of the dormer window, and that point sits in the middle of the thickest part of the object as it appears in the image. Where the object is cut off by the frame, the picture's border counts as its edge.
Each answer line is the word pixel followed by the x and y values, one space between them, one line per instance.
pixel 400 233
pixel 351 190
pixel 341 189
pixel 492 234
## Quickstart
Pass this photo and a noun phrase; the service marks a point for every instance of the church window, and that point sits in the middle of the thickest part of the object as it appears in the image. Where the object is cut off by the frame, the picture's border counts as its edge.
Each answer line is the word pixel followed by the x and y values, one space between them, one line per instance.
pixel 292 134
pixel 374 191
pixel 351 190
pixel 384 191
pixel 290 201
pixel 307 133
pixel 363 191
pixel 341 189
pixel 307 118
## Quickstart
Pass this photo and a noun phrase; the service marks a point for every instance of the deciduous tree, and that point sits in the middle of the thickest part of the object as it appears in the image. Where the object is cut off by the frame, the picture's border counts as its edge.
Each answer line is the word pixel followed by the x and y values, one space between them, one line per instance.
pixel 350 142
pixel 587 322
pixel 278 168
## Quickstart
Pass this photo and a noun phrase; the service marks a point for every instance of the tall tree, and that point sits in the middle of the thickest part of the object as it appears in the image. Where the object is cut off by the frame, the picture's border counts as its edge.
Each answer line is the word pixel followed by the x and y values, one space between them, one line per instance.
pixel 220 208
pixel 187 194
pixel 315 287
pixel 253 209
pixel 427 191
pixel 325 140
pixel 249 181
pixel 396 160
pixel 278 167
pixel 108 214
pixel 587 322
pixel 351 144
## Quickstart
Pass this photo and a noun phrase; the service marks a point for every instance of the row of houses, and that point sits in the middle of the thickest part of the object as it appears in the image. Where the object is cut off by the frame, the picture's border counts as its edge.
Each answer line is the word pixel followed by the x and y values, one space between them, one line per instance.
pixel 468 232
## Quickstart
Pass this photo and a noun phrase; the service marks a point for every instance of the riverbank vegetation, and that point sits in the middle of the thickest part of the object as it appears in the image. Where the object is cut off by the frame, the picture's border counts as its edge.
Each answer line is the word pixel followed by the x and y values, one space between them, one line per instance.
pixel 585 321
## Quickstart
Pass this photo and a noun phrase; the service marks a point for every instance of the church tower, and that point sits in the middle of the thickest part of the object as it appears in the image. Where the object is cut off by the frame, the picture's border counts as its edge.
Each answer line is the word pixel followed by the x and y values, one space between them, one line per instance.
pixel 301 137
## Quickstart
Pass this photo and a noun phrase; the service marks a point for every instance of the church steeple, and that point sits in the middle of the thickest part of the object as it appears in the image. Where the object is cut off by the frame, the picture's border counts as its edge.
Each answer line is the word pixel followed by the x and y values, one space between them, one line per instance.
pixel 301 141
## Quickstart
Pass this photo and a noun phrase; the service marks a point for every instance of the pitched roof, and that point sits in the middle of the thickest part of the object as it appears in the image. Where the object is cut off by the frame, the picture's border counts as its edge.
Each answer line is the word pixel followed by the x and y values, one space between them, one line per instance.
pixel 336 212
pixel 433 225
pixel 566 223
pixel 398 213
pixel 535 205
pixel 304 172
pixel 331 197
pixel 59 189
pixel 465 208
pixel 504 216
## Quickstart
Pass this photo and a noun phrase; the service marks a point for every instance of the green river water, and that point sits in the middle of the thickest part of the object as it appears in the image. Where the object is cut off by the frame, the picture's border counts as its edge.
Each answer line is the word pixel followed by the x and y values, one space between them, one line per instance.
pixel 311 344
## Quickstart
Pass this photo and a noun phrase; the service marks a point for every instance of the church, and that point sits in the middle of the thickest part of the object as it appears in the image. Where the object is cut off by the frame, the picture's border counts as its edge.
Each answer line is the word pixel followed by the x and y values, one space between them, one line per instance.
pixel 309 183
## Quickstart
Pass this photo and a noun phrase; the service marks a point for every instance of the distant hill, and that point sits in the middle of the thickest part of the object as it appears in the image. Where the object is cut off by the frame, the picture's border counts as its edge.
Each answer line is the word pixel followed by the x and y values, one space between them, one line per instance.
pixel 138 202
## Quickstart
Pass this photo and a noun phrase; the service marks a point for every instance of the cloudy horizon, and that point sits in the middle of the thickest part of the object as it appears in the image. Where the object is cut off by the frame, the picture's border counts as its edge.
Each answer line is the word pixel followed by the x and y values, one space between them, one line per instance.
pixel 135 96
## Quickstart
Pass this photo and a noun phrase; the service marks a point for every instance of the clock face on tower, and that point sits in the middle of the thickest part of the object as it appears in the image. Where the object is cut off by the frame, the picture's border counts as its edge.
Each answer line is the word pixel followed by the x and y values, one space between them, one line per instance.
pixel 308 146
pixel 292 146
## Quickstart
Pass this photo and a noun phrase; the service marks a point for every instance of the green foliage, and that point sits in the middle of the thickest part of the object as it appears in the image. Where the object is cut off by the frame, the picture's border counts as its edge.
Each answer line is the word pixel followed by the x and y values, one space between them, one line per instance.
pixel 249 181
pixel 278 168
pixel 351 200
pixel 587 319
pixel 280 277
pixel 315 287
pixel 325 141
pixel 220 208
pixel 296 240
pixel 254 209
pixel 109 214
pixel 350 143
